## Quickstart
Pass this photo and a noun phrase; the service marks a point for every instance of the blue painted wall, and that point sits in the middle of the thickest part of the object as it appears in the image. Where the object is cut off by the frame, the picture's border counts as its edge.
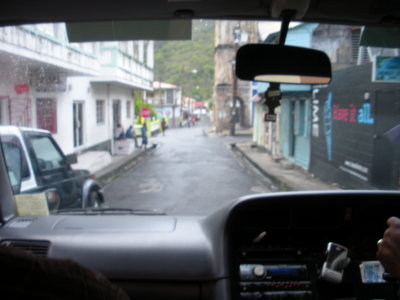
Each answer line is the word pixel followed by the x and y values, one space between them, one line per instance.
pixel 296 107
pixel 286 126
pixel 296 131
pixel 259 111
pixel 295 116
pixel 301 35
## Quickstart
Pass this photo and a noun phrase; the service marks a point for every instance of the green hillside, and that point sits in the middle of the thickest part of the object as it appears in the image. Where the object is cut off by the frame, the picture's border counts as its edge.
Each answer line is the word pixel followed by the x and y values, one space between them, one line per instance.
pixel 189 64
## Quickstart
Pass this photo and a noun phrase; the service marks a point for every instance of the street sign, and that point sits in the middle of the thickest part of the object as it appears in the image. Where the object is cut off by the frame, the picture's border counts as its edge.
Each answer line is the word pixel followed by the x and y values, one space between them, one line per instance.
pixel 145 112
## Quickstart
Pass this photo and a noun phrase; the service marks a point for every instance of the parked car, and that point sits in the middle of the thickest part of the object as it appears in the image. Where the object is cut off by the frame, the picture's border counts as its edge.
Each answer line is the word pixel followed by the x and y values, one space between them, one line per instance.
pixel 42 165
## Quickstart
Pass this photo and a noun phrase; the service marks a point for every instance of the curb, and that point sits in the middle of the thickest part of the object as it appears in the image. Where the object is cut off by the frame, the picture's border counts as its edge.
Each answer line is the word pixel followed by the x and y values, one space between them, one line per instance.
pixel 109 173
pixel 276 184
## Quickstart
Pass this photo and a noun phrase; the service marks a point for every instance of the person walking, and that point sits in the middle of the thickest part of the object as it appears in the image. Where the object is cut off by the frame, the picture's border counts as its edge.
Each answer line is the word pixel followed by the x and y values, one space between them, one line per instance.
pixel 144 135
pixel 181 120
pixel 163 126
pixel 193 119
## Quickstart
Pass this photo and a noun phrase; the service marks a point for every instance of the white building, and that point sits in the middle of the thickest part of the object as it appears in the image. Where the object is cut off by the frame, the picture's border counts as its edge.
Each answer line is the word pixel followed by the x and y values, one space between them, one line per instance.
pixel 80 92
pixel 167 101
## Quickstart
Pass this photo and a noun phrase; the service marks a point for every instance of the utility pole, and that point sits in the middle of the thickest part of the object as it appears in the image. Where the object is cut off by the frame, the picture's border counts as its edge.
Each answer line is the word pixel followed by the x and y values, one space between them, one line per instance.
pixel 236 41
pixel 234 115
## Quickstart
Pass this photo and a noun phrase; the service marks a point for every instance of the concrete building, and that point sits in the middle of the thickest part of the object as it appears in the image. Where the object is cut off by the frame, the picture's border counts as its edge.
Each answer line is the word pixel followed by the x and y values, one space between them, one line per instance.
pixel 200 108
pixel 290 137
pixel 80 92
pixel 318 125
pixel 229 35
pixel 349 121
pixel 167 101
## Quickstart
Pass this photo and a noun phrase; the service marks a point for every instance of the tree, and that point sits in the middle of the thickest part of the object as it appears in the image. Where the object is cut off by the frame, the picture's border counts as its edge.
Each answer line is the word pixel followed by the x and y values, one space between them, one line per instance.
pixel 189 64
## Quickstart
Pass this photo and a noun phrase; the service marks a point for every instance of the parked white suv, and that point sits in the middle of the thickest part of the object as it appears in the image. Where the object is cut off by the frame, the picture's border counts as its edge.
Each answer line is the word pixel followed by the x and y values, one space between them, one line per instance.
pixel 40 165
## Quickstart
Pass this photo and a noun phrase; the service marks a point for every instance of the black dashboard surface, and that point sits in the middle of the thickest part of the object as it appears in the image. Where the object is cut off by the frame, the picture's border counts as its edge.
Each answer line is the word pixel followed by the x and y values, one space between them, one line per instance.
pixel 291 234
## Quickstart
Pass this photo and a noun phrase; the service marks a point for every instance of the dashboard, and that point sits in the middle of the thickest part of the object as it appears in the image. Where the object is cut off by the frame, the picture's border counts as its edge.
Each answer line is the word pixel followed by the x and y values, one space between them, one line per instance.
pixel 270 246
pixel 278 245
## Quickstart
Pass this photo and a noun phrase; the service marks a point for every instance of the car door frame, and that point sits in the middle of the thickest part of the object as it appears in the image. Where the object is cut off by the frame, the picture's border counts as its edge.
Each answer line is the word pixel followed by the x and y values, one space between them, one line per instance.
pixel 70 200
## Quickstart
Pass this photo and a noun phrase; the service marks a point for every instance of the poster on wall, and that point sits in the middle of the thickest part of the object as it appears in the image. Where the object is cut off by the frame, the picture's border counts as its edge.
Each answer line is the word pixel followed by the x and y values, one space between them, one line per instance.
pixel 386 69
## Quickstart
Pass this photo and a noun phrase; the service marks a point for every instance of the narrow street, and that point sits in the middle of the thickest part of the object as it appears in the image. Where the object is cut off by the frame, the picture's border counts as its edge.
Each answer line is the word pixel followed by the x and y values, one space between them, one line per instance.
pixel 189 173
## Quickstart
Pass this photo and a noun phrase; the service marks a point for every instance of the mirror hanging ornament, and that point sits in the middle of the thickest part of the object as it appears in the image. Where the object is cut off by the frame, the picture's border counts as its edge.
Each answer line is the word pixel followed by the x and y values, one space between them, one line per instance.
pixel 273 98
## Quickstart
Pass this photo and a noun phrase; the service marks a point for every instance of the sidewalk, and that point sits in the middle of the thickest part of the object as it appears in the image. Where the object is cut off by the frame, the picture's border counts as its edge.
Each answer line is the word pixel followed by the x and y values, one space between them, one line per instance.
pixel 93 161
pixel 283 174
pixel 280 175
pixel 106 167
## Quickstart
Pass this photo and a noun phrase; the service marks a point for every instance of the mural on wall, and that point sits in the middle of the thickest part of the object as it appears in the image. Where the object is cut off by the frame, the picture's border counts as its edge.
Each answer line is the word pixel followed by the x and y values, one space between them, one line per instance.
pixel 334 112
pixel 355 169
pixel 333 117
pixel 352 115
pixel 347 117
pixel 315 118
pixel 328 125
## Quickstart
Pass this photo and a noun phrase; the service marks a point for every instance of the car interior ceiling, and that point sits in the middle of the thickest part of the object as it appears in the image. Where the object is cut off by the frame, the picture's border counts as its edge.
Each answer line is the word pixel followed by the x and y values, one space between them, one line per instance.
pixel 172 257
pixel 370 12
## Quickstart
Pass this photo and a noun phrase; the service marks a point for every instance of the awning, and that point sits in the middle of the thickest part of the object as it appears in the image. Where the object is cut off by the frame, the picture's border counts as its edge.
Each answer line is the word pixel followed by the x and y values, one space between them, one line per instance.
pixel 163 85
pixel 121 82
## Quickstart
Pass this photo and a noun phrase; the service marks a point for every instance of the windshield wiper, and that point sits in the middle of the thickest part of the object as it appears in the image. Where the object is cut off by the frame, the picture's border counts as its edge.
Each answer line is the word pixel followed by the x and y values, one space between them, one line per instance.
pixel 108 211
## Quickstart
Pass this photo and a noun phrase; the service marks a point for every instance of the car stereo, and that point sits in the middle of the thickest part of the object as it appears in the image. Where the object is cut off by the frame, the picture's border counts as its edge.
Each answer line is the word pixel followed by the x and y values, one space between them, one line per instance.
pixel 280 281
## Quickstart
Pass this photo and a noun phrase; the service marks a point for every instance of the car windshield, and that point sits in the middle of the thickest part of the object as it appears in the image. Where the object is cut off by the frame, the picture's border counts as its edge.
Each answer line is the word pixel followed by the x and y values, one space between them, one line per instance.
pixel 166 126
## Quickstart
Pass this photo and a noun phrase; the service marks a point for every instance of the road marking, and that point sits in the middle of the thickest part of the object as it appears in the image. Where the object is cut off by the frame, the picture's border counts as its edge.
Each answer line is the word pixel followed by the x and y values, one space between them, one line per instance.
pixel 151 185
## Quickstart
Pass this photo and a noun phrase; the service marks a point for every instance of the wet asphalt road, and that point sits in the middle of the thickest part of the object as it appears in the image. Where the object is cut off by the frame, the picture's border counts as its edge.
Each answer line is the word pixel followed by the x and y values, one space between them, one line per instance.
pixel 188 174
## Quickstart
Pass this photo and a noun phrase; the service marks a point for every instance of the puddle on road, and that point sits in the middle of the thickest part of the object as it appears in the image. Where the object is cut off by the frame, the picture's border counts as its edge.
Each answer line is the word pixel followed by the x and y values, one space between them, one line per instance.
pixel 151 185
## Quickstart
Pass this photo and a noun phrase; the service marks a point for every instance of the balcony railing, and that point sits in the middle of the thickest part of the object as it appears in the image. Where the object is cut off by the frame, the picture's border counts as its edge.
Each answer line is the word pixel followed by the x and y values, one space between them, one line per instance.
pixel 111 62
pixel 35 45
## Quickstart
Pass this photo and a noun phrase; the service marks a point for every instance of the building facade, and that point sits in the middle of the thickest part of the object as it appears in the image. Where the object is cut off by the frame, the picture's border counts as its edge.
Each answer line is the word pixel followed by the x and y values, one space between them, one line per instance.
pixel 294 120
pixel 167 101
pixel 352 109
pixel 319 125
pixel 228 90
pixel 80 92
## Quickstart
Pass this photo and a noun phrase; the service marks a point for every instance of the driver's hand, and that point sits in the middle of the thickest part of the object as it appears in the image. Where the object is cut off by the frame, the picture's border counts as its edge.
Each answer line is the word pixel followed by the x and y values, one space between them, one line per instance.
pixel 389 248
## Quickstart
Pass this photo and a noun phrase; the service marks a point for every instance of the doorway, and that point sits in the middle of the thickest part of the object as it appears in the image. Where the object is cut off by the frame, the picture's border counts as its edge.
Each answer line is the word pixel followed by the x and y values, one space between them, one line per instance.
pixel 292 130
pixel 20 112
pixel 78 123
pixel 116 114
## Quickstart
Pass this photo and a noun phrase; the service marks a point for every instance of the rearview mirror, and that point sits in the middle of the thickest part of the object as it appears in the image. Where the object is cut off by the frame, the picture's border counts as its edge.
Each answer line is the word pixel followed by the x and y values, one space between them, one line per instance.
pixel 283 64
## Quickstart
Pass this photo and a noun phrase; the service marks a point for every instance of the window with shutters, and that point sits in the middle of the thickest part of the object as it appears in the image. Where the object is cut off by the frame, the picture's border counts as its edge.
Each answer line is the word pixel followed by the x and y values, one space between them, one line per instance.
pixel 99 111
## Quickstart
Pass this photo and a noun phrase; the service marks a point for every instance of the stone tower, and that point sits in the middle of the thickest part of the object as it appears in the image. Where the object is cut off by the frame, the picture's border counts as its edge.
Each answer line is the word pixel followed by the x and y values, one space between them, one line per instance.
pixel 229 36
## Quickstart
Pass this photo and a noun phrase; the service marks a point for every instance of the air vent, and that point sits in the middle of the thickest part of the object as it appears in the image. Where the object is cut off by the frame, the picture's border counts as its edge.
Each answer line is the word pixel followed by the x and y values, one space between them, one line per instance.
pixel 39 248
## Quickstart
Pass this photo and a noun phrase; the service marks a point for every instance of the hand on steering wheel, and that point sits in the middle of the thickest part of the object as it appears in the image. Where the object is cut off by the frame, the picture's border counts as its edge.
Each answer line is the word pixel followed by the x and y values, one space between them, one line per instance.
pixel 389 248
